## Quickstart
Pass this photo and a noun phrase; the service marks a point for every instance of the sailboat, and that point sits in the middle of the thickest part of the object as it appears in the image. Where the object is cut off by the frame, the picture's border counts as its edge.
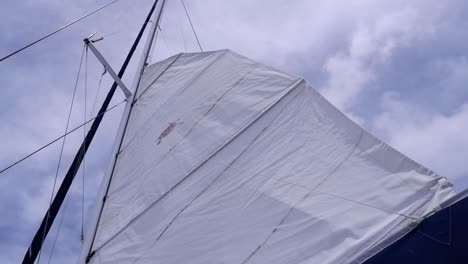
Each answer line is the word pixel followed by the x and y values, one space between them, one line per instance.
pixel 220 159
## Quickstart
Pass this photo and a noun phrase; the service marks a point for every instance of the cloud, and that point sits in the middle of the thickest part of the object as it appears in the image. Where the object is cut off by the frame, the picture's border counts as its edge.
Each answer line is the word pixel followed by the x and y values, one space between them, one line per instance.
pixel 429 138
pixel 353 71
pixel 452 74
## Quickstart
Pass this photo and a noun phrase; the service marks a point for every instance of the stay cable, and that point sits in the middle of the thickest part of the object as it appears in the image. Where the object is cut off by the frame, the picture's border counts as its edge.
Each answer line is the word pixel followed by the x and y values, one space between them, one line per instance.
pixel 57 30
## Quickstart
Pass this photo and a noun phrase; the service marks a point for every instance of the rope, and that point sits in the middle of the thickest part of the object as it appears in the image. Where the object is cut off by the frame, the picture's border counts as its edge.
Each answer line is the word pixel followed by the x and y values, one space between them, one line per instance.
pixel 63 142
pixel 57 139
pixel 57 30
pixel 191 25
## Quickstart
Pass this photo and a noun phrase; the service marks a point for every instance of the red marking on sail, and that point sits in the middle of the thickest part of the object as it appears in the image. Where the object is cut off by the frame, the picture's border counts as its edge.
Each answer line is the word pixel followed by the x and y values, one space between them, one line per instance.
pixel 167 131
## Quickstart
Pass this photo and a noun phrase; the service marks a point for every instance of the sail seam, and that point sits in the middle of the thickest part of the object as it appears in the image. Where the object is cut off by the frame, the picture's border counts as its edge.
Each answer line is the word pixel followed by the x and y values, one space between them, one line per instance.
pixel 87 251
pixel 303 199
pixel 161 74
pixel 291 88
pixel 201 73
pixel 169 99
pixel 121 147
pixel 228 166
pixel 196 123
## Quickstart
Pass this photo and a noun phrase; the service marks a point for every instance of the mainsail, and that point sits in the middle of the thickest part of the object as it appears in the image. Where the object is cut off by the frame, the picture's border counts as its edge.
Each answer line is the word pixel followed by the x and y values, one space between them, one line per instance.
pixel 226 160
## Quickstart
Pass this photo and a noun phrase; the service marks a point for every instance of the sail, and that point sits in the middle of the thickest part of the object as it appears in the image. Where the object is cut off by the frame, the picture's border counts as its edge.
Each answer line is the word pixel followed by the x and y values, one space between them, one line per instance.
pixel 226 160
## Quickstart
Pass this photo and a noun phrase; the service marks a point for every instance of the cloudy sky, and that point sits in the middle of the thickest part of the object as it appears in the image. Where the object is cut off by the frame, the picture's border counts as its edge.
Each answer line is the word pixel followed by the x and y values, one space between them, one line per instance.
pixel 398 68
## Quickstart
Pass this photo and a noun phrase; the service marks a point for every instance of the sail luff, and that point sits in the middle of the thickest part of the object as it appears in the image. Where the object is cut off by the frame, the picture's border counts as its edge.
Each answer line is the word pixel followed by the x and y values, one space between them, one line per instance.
pixel 51 213
pixel 86 252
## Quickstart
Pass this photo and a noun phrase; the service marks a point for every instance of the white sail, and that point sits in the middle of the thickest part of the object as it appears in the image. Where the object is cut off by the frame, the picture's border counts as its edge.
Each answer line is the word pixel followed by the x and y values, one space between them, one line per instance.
pixel 229 161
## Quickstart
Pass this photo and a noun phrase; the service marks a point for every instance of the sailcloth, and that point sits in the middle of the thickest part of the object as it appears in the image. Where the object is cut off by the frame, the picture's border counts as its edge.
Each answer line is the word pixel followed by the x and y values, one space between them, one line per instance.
pixel 229 161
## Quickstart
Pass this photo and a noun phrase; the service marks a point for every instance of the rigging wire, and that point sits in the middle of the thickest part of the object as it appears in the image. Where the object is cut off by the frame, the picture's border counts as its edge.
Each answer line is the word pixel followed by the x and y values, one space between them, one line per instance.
pixel 62 217
pixel 93 108
pixel 57 30
pixel 160 34
pixel 158 22
pixel 116 32
pixel 36 243
pixel 117 19
pixel 84 140
pixel 58 138
pixel 148 46
pixel 182 33
pixel 63 141
pixel 153 44
pixel 191 25
pixel 85 52
pixel 67 201
pixel 124 12
pixel 171 51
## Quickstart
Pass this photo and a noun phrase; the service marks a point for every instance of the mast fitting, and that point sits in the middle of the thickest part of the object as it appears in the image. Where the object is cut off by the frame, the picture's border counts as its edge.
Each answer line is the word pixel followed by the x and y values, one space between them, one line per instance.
pixel 89 43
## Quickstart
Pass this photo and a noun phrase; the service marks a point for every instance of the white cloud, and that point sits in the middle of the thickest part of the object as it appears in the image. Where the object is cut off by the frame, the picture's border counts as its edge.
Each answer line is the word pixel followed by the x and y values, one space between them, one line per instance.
pixel 453 83
pixel 430 138
pixel 352 71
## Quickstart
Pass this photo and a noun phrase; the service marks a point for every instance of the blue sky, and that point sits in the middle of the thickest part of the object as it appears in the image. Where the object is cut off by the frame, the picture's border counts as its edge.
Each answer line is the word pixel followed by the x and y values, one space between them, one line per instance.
pixel 398 68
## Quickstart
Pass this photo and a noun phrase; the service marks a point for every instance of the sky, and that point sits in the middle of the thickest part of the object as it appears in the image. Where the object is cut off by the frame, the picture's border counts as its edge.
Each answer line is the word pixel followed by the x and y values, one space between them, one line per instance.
pixel 397 68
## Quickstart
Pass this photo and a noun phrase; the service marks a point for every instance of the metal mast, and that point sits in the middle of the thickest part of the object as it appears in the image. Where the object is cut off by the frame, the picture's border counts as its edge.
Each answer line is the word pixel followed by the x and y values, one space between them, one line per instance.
pixel 87 253
pixel 49 217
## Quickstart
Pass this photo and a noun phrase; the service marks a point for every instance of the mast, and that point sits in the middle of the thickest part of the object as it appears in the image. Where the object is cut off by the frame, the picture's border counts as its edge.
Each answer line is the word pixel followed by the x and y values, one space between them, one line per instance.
pixel 50 215
pixel 86 252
